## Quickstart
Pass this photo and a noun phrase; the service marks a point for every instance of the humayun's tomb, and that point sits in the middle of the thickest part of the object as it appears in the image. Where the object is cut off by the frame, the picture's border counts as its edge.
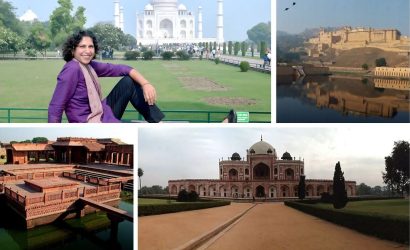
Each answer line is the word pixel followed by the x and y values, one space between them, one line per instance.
pixel 44 182
pixel 260 175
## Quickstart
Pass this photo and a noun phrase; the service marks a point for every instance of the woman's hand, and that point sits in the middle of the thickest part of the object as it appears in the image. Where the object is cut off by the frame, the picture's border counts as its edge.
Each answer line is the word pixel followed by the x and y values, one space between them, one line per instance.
pixel 150 94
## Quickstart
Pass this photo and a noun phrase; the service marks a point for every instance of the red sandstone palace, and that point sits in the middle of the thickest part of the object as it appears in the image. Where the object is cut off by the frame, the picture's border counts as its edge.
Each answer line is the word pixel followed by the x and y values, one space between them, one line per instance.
pixel 44 182
pixel 260 175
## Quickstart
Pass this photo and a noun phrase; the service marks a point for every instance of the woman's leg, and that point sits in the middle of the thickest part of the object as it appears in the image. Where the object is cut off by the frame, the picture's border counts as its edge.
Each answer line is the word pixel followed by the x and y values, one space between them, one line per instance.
pixel 125 91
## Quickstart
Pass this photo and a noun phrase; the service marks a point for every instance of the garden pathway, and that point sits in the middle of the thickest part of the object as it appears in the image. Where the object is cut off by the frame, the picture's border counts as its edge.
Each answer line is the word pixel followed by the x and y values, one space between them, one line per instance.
pixel 275 226
pixel 169 231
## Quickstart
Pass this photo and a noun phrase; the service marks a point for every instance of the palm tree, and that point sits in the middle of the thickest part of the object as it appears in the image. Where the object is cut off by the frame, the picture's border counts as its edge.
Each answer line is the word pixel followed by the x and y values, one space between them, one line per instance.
pixel 140 173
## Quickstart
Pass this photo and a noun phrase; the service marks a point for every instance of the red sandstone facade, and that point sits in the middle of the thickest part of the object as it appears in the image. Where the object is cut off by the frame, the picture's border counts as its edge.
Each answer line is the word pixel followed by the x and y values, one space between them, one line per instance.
pixel 260 175
pixel 72 150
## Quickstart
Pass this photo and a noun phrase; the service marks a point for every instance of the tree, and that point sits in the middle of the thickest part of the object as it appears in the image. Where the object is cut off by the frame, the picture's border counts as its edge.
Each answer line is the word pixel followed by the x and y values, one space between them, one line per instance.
pixel 39 140
pixel 140 174
pixel 39 39
pixel 62 23
pixel 252 48
pixel 224 49
pixel 363 189
pixel 8 19
pixel 109 36
pixel 260 33
pixel 380 62
pixel 397 167
pixel 339 191
pixel 10 41
pixel 365 66
pixel 230 47
pixel 236 48
pixel 243 48
pixel 302 188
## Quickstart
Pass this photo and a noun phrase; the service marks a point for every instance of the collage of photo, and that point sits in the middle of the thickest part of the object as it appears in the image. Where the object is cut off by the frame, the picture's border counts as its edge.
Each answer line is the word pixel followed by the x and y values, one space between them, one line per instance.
pixel 179 97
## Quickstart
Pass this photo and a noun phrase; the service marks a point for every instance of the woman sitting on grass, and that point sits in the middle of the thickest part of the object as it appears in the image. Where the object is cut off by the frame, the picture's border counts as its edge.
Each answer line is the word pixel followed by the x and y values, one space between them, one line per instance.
pixel 78 91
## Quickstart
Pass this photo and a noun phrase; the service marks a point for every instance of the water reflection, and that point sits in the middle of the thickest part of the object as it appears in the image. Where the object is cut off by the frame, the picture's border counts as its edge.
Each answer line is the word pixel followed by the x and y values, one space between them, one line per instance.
pixel 89 232
pixel 342 99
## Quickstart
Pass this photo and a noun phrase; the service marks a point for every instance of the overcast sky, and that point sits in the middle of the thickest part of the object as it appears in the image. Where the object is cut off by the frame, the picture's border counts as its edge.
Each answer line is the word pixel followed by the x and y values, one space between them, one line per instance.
pixel 239 15
pixel 20 132
pixel 182 153
pixel 337 13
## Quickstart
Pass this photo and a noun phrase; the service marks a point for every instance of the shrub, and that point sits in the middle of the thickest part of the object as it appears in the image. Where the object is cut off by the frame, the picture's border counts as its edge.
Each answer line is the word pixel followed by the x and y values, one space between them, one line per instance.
pixel 167 55
pixel 182 55
pixel 365 66
pixel 184 196
pixel 244 66
pixel 178 207
pixel 217 61
pixel 31 52
pixel 385 227
pixel 2 157
pixel 131 55
pixel 148 55
pixel 325 197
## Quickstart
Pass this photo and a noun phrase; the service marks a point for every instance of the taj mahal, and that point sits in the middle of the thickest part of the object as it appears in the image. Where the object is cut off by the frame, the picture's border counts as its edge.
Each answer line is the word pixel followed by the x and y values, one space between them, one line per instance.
pixel 167 21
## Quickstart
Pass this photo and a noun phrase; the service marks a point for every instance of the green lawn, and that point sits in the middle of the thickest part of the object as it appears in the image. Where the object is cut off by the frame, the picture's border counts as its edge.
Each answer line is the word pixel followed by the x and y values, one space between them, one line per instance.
pixel 147 201
pixel 392 208
pixel 30 84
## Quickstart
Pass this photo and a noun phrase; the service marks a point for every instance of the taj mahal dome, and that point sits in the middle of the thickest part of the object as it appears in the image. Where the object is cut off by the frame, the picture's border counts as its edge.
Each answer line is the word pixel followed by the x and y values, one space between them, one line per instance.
pixel 167 21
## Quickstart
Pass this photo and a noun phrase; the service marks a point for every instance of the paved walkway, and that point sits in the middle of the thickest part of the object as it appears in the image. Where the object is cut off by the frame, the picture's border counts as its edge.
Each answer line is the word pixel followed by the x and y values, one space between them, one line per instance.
pixel 169 231
pixel 275 226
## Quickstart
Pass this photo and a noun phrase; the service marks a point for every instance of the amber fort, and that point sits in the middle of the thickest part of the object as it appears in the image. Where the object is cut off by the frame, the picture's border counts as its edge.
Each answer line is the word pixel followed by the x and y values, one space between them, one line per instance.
pixel 349 38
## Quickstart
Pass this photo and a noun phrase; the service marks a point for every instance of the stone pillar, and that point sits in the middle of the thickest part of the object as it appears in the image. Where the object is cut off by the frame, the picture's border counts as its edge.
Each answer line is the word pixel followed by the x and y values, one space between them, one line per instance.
pixel 115 220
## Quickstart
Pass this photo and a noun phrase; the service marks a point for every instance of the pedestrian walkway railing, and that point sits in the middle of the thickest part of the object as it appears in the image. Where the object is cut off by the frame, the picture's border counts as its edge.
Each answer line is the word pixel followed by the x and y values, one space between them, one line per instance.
pixel 261 67
pixel 39 115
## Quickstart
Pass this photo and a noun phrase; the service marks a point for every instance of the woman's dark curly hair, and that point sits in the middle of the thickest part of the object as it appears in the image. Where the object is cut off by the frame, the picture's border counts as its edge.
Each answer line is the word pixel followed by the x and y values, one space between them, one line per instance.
pixel 73 41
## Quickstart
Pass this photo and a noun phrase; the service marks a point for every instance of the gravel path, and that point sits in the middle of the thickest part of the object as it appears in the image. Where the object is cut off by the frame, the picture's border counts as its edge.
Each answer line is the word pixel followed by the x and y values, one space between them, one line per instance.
pixel 168 231
pixel 275 226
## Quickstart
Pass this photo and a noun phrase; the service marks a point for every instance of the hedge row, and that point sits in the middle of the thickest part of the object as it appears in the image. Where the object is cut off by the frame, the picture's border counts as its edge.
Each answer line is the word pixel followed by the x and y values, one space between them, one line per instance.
pixel 144 210
pixel 384 227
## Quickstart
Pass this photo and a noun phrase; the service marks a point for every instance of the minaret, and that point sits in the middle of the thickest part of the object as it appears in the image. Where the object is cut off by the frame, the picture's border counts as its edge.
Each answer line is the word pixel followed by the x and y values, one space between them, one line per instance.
pixel 200 22
pixel 122 18
pixel 220 23
pixel 117 13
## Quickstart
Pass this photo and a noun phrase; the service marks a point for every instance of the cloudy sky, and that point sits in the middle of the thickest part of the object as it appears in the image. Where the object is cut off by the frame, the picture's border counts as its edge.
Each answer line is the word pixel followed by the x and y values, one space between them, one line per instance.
pixel 337 13
pixel 240 15
pixel 170 152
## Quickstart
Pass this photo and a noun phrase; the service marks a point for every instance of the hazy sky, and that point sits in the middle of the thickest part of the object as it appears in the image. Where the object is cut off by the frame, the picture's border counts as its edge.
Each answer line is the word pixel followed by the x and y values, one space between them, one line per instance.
pixel 239 15
pixel 193 153
pixel 336 13
pixel 20 132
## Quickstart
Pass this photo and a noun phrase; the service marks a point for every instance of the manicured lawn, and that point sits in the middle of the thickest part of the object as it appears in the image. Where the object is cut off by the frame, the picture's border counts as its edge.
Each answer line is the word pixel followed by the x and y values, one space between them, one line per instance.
pixel 147 201
pixel 392 208
pixel 30 84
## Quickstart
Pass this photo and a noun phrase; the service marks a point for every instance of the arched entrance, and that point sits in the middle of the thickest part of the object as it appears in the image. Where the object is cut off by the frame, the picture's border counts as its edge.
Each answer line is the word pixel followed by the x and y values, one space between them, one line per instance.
pixel 260 191
pixel 261 172
pixel 272 192
pixel 233 175
pixel 174 189
pixel 166 28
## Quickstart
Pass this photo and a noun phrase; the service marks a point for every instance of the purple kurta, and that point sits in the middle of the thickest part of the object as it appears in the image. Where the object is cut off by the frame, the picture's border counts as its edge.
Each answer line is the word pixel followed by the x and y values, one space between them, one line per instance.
pixel 70 94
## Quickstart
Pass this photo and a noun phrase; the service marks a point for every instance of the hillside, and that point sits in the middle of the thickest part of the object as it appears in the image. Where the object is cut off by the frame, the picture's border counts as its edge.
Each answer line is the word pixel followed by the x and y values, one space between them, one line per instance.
pixel 357 57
